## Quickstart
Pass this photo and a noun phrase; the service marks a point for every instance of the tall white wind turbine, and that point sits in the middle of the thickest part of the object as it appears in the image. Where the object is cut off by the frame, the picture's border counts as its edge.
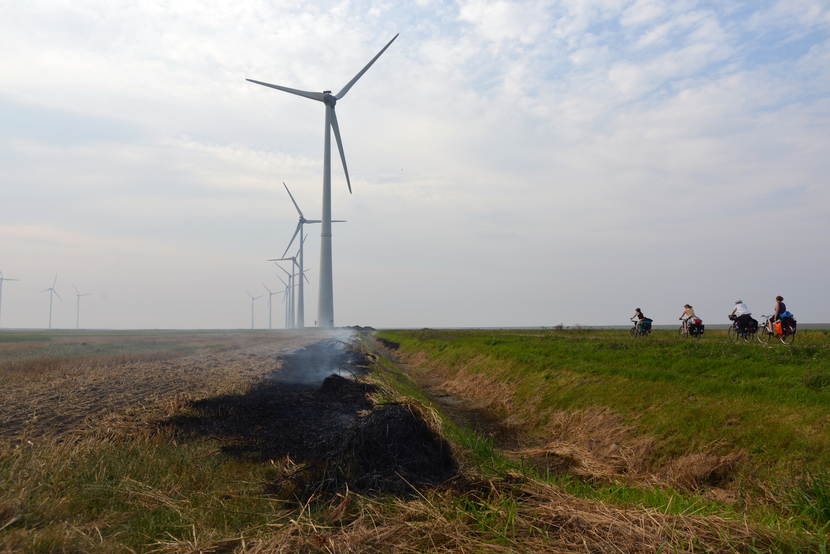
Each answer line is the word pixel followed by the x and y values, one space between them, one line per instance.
pixel 78 295
pixel 2 281
pixel 325 308
pixel 52 292
pixel 299 231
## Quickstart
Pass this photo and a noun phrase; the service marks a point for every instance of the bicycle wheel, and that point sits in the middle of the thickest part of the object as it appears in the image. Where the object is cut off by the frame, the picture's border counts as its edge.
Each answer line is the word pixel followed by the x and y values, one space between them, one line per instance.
pixel 789 337
pixel 633 331
pixel 764 335
pixel 681 331
pixel 732 334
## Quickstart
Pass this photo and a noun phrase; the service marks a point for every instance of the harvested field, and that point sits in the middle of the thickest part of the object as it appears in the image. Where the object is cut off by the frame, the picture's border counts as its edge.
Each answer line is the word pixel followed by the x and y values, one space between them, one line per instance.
pixel 52 385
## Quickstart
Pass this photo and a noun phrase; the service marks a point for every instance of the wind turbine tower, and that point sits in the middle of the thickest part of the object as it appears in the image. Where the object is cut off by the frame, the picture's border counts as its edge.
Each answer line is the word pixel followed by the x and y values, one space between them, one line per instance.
pixel 271 294
pixel 2 281
pixel 78 295
pixel 299 231
pixel 253 299
pixel 326 299
pixel 52 292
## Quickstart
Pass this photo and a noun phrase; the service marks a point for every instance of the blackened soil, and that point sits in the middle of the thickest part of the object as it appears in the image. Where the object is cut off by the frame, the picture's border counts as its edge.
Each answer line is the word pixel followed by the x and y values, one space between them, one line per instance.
pixel 331 428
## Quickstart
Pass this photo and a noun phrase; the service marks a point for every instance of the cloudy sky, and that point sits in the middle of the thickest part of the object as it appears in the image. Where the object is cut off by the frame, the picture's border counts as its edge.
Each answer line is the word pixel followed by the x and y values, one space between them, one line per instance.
pixel 513 162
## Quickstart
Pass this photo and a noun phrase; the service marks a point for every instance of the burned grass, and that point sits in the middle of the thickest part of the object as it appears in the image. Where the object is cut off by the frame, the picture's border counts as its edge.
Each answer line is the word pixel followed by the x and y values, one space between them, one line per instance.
pixel 335 435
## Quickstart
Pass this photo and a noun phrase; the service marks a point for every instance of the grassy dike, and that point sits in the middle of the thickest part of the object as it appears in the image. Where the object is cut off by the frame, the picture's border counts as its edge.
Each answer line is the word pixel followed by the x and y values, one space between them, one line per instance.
pixel 765 409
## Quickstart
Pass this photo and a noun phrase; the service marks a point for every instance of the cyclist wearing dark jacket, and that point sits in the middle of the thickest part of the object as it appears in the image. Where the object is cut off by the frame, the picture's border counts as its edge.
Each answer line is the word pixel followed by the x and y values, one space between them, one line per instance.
pixel 642 320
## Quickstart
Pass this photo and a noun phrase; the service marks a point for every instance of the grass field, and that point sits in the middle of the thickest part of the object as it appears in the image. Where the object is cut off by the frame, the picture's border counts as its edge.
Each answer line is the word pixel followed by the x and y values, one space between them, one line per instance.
pixel 741 427
pixel 566 441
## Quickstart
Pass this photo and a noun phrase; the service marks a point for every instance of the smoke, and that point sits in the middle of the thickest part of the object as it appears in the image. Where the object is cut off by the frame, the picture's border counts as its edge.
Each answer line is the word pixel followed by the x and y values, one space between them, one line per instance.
pixel 312 364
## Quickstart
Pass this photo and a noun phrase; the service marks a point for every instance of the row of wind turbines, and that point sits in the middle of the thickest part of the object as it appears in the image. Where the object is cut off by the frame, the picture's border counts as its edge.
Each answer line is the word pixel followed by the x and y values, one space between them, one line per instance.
pixel 325 306
pixel 295 280
pixel 53 292
pixel 296 277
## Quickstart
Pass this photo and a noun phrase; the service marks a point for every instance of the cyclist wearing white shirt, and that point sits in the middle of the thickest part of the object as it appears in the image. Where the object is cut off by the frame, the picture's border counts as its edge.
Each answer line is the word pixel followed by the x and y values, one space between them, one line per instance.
pixel 741 314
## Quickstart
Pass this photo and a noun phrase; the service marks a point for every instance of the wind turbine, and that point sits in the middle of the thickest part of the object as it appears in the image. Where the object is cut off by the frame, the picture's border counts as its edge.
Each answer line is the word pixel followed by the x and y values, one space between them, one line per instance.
pixel 295 318
pixel 253 299
pixel 325 308
pixel 289 291
pixel 270 296
pixel 285 299
pixel 78 295
pixel 3 280
pixel 299 231
pixel 52 292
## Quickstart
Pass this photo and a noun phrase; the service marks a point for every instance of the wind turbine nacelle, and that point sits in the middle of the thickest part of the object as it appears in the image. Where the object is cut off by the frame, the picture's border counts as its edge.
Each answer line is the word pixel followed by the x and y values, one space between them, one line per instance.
pixel 329 99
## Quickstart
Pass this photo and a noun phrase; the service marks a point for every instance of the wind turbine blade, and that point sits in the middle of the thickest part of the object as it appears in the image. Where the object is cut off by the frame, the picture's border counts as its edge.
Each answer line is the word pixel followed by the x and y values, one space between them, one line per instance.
pixel 266 288
pixel 296 231
pixel 282 281
pixel 291 196
pixel 313 221
pixel 336 129
pixel 307 94
pixel 282 268
pixel 76 289
pixel 58 295
pixel 45 290
pixel 345 89
pixel 339 221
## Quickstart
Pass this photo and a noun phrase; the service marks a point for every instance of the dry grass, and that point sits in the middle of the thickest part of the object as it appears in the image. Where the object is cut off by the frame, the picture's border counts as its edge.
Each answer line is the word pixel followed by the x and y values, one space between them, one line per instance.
pixel 495 516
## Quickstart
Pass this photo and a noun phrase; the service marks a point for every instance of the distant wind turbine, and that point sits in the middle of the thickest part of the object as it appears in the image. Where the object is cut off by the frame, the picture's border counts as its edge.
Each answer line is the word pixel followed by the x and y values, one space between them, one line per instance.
pixel 296 270
pixel 326 299
pixel 271 294
pixel 253 299
pixel 2 281
pixel 78 295
pixel 52 292
pixel 285 299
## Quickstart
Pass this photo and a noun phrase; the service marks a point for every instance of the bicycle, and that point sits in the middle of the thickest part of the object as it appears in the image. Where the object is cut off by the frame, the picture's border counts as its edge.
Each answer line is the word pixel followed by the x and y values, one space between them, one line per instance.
pixel 638 330
pixel 768 333
pixel 737 333
pixel 691 328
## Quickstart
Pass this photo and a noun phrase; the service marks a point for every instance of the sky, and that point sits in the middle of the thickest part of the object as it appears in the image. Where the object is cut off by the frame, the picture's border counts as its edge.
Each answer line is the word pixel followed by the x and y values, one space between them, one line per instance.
pixel 514 163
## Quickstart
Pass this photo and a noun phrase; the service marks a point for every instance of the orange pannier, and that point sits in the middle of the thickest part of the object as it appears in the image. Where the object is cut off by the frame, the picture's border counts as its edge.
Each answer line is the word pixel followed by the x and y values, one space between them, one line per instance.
pixel 779 329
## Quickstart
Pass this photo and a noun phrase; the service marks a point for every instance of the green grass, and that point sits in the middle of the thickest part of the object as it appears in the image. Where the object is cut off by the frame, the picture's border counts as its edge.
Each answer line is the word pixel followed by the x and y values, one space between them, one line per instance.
pixel 768 401
pixel 689 395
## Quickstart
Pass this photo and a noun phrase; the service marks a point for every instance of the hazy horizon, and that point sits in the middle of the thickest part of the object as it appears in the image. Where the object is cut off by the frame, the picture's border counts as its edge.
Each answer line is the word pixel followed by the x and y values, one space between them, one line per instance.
pixel 513 163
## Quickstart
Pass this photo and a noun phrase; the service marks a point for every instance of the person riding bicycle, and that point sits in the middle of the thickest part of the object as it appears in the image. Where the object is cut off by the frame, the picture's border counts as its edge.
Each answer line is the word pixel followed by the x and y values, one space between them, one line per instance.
pixel 780 312
pixel 741 315
pixel 687 315
pixel 643 322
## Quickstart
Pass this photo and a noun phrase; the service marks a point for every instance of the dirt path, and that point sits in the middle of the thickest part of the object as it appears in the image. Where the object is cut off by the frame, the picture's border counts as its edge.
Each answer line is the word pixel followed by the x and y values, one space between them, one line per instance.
pixel 82 392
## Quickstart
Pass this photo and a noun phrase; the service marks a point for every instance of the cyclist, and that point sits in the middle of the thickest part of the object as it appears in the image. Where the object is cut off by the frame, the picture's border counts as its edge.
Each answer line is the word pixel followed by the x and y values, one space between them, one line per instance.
pixel 688 314
pixel 741 315
pixel 642 320
pixel 780 312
